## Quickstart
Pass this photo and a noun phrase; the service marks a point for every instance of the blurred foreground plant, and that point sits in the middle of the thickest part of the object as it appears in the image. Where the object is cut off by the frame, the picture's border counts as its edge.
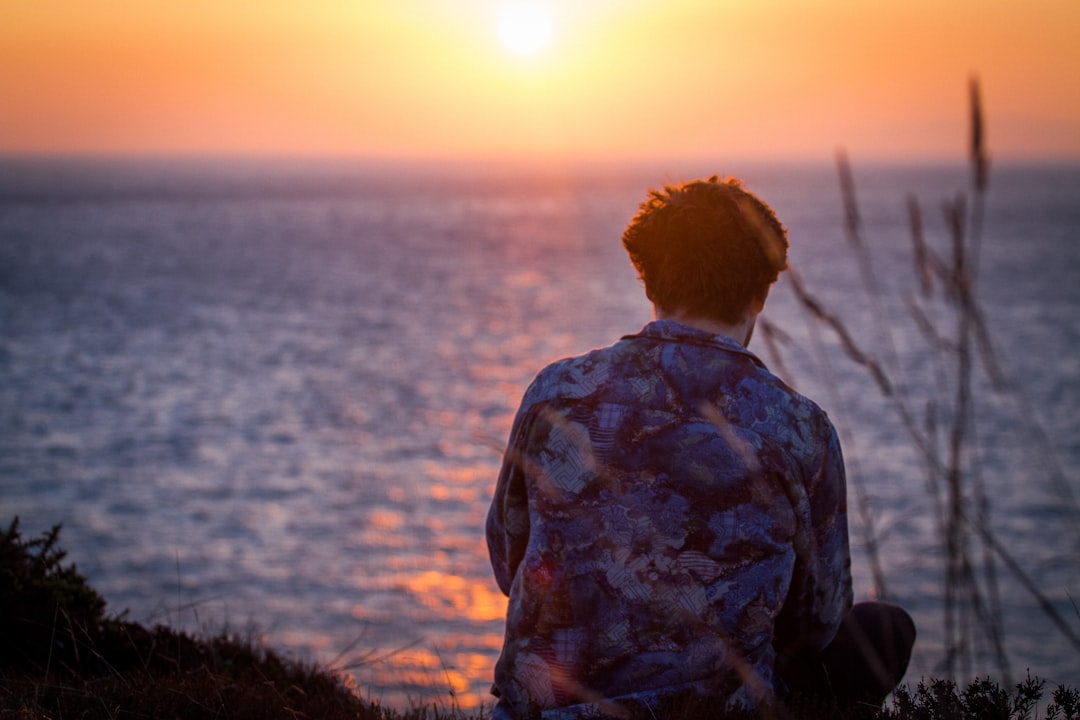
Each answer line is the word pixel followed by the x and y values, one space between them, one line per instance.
pixel 944 437
pixel 61 656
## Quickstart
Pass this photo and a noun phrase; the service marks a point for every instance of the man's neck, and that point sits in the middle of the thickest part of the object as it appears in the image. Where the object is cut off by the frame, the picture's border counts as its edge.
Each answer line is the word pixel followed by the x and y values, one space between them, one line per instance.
pixel 740 333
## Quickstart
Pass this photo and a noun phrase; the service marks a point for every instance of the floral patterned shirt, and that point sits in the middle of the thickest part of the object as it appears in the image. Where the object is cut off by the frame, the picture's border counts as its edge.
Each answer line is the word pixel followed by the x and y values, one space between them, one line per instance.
pixel 669 515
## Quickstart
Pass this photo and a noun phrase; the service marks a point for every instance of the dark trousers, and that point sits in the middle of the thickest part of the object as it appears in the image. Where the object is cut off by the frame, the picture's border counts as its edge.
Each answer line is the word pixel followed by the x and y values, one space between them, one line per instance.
pixel 864 663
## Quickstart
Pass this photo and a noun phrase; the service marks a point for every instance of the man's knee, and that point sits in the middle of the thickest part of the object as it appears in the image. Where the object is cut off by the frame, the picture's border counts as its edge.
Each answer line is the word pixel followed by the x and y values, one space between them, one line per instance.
pixel 871 651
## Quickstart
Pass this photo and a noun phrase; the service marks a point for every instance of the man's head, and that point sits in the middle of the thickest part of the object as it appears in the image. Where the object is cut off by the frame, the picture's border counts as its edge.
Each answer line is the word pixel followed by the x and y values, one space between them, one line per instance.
pixel 708 249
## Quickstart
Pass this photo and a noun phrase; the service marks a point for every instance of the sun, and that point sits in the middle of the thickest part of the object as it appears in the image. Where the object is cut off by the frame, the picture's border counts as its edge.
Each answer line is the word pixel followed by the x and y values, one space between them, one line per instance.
pixel 524 27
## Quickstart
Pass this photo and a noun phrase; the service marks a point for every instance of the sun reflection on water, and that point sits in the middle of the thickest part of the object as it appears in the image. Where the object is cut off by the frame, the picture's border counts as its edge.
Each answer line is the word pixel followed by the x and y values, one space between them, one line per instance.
pixel 458 664
pixel 451 666
pixel 457 597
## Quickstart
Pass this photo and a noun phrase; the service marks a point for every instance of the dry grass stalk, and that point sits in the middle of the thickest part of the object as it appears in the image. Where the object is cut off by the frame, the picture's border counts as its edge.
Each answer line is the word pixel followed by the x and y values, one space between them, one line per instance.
pixel 945 440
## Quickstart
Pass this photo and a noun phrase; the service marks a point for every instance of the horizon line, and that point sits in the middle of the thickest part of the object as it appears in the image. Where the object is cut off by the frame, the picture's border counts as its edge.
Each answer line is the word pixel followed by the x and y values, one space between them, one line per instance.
pixel 526 161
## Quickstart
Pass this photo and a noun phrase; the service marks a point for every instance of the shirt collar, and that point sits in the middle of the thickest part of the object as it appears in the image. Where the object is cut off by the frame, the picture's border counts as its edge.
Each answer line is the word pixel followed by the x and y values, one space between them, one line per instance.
pixel 674 331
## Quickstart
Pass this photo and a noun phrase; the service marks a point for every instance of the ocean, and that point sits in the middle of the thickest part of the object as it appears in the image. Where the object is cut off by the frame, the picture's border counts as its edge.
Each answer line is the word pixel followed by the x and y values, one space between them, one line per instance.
pixel 272 396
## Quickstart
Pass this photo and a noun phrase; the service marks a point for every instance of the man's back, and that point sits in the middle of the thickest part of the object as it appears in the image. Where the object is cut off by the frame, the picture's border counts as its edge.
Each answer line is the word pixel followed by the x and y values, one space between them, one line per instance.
pixel 666 509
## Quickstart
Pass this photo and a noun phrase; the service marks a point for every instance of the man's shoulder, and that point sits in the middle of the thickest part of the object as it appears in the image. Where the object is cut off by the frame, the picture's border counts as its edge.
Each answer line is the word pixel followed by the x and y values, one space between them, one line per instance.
pixel 771 397
pixel 628 368
pixel 577 376
pixel 772 386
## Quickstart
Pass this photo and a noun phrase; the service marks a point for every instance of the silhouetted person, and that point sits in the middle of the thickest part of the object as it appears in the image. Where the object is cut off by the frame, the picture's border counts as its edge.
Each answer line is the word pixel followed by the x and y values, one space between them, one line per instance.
pixel 670 518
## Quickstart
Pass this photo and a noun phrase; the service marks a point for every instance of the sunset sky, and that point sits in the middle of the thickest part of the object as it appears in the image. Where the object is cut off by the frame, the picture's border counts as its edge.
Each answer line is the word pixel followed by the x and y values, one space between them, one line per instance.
pixel 616 79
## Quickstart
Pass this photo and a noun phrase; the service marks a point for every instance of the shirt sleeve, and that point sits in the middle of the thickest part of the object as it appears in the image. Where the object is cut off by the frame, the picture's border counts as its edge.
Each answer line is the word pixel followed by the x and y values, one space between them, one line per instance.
pixel 820 593
pixel 508 517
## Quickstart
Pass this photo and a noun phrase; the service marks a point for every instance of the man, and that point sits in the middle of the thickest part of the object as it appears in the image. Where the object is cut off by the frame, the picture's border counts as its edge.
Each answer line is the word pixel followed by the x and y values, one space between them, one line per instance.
pixel 670 518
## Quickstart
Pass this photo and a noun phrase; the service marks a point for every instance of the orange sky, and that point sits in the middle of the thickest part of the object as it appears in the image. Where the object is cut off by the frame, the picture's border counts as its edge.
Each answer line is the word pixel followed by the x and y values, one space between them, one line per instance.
pixel 620 79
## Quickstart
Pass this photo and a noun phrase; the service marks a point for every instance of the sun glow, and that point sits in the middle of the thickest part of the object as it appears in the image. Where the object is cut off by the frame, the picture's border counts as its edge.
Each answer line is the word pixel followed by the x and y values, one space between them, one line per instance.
pixel 524 27
pixel 604 79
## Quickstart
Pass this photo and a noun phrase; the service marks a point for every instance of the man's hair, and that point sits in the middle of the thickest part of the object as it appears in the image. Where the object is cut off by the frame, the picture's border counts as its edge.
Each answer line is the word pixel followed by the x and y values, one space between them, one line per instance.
pixel 707 248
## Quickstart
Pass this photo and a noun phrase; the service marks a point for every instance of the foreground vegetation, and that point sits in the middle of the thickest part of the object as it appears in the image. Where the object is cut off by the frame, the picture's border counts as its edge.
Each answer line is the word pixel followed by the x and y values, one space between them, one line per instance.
pixel 62 656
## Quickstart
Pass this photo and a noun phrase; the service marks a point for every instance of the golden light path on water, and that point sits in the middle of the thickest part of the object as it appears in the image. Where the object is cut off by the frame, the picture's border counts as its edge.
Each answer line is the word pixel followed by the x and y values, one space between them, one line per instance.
pixel 434 577
pixel 457 664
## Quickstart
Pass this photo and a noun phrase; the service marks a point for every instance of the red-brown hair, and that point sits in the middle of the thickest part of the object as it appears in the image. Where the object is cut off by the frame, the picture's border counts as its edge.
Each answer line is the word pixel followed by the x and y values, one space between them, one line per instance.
pixel 708 248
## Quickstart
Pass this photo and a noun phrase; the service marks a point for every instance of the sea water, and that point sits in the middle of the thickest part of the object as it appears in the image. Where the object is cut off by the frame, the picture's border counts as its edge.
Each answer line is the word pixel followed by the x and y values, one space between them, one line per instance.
pixel 272 396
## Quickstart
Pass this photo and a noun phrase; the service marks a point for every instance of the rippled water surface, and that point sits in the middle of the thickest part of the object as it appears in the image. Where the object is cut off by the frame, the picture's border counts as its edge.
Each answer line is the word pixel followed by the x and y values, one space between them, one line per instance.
pixel 274 396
